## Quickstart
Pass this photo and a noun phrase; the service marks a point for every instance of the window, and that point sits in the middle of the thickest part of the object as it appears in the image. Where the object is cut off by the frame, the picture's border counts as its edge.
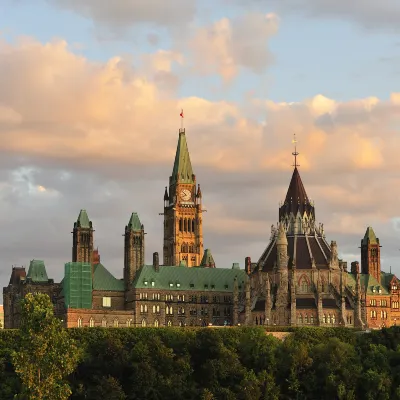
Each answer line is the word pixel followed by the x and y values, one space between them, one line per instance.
pixel 104 323
pixel 372 302
pixel 128 323
pixel 312 319
pixel 181 310
pixel 91 322
pixel 373 314
pixel 329 318
pixel 395 304
pixel 169 297
pixel 152 283
pixel 144 324
pixel 156 323
pixel 304 287
pixel 181 297
pixel 154 309
pixel 106 301
pixel 306 319
pixel 156 296
pixel 79 322
pixel 169 323
pixel 324 319
pixel 116 323
pixel 333 319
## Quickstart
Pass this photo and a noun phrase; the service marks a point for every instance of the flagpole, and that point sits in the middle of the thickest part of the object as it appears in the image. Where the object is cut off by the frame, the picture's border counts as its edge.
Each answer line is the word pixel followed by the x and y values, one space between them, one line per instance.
pixel 181 115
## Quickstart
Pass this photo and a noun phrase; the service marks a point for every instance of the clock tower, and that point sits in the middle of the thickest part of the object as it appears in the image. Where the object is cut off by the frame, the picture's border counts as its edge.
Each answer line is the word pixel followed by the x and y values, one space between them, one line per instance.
pixel 183 225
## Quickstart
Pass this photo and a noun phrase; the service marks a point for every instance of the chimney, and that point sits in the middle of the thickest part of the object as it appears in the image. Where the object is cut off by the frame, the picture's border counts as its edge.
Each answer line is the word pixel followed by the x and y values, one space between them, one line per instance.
pixel 156 262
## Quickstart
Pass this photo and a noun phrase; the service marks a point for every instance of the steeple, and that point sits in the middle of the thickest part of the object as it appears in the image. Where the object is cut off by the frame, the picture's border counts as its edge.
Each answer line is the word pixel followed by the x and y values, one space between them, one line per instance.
pixel 182 170
pixel 83 220
pixel 82 239
pixel 371 255
pixel 133 249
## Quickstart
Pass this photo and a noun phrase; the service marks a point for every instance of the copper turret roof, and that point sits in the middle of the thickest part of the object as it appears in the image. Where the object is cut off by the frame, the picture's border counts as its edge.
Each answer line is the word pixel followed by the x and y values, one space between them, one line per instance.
pixel 296 198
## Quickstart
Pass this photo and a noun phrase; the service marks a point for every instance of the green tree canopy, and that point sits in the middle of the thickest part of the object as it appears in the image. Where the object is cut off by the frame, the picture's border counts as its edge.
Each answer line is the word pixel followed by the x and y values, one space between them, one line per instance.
pixel 47 354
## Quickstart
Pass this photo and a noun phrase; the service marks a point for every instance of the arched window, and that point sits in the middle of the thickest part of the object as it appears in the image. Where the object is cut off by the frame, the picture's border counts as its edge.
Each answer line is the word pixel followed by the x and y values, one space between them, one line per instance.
pixel 79 322
pixel 141 308
pixel 91 322
pixel 324 319
pixel 329 318
pixel 333 319
pixel 185 225
pixel 104 323
pixel 154 309
pixel 189 225
pixel 167 310
pixel 304 286
pixel 256 321
pixel 312 319
pixel 193 225
pixel 306 319
pixel 298 319
pixel 191 249
pixel 169 323
pixel 301 319
pixel 128 323
pixel 180 225
pixel 116 323
pixel 144 324
pixel 156 323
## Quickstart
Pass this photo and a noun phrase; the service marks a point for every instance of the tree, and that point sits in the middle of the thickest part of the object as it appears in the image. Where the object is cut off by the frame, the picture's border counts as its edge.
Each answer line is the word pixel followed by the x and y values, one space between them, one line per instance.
pixel 47 355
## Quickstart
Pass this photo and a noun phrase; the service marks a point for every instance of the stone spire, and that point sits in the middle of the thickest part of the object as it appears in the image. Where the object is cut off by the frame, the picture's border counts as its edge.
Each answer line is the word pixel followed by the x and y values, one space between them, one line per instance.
pixel 282 245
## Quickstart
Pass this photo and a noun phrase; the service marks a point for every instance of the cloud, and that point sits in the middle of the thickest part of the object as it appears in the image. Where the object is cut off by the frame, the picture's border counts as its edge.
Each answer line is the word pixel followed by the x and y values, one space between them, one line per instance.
pixel 228 45
pixel 102 136
pixel 370 14
pixel 118 16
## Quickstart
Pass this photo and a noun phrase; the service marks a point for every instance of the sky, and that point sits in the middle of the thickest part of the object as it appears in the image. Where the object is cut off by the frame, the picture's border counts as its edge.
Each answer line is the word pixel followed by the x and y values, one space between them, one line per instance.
pixel 90 97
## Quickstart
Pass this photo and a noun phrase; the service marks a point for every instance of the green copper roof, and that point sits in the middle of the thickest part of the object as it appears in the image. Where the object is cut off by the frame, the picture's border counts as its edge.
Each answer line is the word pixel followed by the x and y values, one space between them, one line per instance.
pixel 83 219
pixel 134 223
pixel 368 283
pixel 182 164
pixel 37 271
pixel 208 259
pixel 173 278
pixel 104 280
pixel 370 235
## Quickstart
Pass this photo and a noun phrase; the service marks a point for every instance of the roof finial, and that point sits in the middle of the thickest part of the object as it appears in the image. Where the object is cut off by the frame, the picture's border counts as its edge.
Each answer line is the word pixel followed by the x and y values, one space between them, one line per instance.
pixel 295 153
pixel 181 115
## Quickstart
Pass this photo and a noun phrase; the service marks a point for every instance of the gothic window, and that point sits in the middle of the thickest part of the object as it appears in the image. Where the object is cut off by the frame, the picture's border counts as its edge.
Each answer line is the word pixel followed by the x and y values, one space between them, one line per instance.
pixel 256 318
pixel 189 225
pixel 185 225
pixel 180 225
pixel 144 324
pixel 306 319
pixel 79 322
pixel 193 225
pixel 104 323
pixel 329 318
pixel 169 323
pixel 312 319
pixel 324 319
pixel 156 323
pixel 154 309
pixel 304 287
pixel 191 249
pixel 299 319
pixel 333 319
pixel 128 323
pixel 116 323
pixel 91 322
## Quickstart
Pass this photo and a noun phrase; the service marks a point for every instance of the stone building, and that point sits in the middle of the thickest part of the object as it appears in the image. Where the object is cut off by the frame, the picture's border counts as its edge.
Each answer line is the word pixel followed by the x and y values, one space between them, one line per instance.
pixel 1 316
pixel 300 280
pixel 148 295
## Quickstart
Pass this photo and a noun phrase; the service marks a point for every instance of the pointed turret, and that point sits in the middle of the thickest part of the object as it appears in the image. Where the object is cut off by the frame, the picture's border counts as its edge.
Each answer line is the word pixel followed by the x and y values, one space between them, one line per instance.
pixel 83 220
pixel 134 223
pixel 371 255
pixel 208 260
pixel 82 239
pixel 296 198
pixel 182 170
pixel 133 249
pixel 37 271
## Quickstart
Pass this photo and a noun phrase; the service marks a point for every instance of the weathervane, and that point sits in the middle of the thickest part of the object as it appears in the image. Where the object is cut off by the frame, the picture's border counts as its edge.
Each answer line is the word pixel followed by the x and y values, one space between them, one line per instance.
pixel 295 153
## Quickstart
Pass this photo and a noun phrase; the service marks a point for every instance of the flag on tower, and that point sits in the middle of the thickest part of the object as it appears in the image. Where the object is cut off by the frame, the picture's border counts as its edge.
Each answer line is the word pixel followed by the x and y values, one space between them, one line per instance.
pixel 181 114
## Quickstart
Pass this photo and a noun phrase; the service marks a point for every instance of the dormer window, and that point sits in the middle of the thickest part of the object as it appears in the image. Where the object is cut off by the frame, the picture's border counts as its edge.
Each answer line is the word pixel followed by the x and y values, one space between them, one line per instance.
pixel 152 283
pixel 205 286
pixel 145 283
pixel 212 286
pixel 379 290
pixel 171 284
pixel 192 285
pixel 226 286
pixel 178 284
pixel 373 290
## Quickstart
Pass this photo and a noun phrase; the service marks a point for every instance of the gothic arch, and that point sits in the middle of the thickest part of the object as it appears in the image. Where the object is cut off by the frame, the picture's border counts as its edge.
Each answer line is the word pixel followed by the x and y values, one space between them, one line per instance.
pixel 304 284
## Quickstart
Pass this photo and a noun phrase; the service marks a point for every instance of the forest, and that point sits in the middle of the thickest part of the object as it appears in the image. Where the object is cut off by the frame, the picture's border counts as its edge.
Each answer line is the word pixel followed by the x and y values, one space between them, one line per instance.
pixel 225 363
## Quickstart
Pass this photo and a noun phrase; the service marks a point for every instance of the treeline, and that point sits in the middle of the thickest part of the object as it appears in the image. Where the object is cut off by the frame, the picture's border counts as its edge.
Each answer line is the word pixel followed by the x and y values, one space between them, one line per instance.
pixel 232 363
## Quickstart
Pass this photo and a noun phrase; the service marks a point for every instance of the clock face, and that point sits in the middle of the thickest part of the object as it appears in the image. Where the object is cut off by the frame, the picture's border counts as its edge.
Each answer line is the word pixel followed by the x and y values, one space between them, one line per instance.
pixel 185 195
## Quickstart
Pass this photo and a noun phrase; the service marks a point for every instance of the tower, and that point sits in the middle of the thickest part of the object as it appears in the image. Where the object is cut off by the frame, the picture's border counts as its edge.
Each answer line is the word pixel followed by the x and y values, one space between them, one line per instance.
pixel 133 248
pixel 82 239
pixel 371 255
pixel 183 230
